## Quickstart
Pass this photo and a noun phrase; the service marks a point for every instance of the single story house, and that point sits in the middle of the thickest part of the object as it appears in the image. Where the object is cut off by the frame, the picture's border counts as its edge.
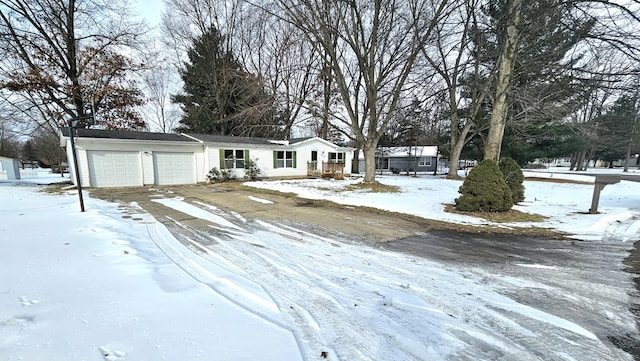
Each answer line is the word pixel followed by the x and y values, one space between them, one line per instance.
pixel 419 159
pixel 109 158
pixel 9 168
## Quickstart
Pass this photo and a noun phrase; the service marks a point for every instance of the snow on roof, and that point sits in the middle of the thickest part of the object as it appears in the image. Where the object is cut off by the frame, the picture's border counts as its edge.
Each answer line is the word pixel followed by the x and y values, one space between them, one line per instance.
pixel 184 137
pixel 419 151
pixel 281 142
pixel 124 134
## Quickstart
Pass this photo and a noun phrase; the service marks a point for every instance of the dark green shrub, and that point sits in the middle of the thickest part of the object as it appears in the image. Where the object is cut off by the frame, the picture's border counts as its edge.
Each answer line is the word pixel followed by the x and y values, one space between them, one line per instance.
pixel 218 176
pixel 484 190
pixel 514 178
pixel 251 170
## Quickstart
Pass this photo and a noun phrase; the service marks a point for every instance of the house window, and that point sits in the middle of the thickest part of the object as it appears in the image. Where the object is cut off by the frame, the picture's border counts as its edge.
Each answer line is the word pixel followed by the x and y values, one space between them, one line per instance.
pixel 284 159
pixel 424 162
pixel 234 158
pixel 336 157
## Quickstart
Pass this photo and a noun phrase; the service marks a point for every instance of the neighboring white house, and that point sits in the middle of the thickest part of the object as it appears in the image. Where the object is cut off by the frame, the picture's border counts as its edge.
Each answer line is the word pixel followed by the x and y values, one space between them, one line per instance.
pixel 9 169
pixel 108 158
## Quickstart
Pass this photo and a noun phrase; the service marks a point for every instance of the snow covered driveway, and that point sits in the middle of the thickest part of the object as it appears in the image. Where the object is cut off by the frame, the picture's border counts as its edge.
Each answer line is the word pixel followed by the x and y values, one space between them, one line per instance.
pixel 530 300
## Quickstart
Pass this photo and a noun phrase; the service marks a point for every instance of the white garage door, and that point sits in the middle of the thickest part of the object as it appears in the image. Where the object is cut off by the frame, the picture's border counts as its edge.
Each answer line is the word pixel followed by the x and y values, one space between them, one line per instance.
pixel 114 169
pixel 174 168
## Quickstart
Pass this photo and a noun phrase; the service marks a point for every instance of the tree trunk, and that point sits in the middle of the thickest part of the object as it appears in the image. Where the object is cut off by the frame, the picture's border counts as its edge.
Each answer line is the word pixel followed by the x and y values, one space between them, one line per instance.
pixel 409 161
pixel 457 143
pixel 369 162
pixel 355 162
pixel 580 160
pixel 573 161
pixel 631 136
pixel 505 70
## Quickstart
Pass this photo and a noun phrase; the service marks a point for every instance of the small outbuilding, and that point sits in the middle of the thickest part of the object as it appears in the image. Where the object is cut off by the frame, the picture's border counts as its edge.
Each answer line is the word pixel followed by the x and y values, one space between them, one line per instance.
pixel 9 169
pixel 109 158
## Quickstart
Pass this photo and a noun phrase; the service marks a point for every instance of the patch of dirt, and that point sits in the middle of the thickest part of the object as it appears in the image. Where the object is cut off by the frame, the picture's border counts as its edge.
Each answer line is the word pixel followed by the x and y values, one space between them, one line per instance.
pixel 370 225
pixel 366 225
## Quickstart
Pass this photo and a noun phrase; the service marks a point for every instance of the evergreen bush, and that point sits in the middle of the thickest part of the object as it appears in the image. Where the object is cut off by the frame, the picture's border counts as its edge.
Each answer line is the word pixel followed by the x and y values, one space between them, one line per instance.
pixel 251 170
pixel 484 190
pixel 218 176
pixel 513 177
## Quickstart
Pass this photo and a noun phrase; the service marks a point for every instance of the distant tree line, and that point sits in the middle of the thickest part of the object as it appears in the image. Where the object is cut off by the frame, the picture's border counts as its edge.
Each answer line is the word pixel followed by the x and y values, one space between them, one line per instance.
pixel 480 79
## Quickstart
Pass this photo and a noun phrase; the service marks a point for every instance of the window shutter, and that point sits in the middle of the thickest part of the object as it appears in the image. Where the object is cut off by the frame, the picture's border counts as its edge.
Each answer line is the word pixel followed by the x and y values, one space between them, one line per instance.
pixel 221 158
pixel 275 159
pixel 344 158
pixel 246 158
pixel 295 159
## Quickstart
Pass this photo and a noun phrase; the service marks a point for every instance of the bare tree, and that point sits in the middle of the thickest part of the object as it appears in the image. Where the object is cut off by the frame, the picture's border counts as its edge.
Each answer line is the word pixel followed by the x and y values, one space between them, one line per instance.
pixel 65 56
pixel 160 81
pixel 452 55
pixel 275 50
pixel 9 140
pixel 377 45
pixel 184 21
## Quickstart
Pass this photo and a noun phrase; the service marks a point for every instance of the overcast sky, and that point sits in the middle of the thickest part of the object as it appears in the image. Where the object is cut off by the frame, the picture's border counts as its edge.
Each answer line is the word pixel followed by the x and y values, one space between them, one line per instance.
pixel 151 10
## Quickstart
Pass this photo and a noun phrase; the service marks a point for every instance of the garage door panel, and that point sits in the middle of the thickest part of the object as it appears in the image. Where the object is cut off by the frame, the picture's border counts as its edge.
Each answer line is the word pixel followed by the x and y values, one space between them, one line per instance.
pixel 114 168
pixel 174 168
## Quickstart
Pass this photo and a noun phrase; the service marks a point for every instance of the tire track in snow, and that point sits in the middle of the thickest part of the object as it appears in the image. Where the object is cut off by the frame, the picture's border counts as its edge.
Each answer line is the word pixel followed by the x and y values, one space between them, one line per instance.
pixel 361 303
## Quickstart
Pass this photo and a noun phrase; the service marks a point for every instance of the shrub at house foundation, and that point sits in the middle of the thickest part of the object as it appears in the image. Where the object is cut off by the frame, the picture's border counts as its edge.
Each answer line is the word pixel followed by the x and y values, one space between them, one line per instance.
pixel 514 178
pixel 218 176
pixel 484 190
pixel 251 170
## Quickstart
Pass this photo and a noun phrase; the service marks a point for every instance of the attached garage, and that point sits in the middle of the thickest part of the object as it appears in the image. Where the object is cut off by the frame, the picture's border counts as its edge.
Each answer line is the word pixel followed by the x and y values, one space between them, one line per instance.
pixel 114 168
pixel 174 168
pixel 120 158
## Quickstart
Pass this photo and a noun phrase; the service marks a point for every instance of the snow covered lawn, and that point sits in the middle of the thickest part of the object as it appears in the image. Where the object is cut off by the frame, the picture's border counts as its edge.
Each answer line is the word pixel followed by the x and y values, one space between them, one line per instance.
pixel 108 285
pixel 564 203
pixel 93 286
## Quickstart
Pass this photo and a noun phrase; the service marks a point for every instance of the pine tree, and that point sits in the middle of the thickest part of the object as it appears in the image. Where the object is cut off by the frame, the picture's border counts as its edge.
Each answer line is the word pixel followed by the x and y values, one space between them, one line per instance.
pixel 543 89
pixel 616 129
pixel 219 96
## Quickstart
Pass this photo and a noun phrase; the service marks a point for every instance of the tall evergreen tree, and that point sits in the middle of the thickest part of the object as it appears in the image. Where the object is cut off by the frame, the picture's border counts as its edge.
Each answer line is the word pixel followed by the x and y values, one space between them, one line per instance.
pixel 219 96
pixel 544 88
pixel 616 129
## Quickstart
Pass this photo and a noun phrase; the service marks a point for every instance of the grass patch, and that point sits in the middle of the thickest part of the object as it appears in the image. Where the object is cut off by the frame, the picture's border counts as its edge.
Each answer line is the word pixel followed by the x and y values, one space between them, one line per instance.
pixel 430 224
pixel 510 216
pixel 56 188
pixel 374 187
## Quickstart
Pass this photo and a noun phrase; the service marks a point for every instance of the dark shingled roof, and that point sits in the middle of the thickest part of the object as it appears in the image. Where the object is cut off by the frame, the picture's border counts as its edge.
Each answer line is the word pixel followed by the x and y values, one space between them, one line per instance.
pixel 191 137
pixel 298 140
pixel 212 138
pixel 125 134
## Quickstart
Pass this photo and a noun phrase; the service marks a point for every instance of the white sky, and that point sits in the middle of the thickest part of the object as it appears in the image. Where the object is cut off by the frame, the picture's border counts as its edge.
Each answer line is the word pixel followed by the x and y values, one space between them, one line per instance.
pixel 150 10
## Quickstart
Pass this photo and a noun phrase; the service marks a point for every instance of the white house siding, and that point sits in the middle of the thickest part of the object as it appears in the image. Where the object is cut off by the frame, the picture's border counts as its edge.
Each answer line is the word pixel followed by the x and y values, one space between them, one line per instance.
pixel 304 150
pixel 9 169
pixel 144 149
pixel 150 149
pixel 263 156
pixel 4 174
pixel 83 166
